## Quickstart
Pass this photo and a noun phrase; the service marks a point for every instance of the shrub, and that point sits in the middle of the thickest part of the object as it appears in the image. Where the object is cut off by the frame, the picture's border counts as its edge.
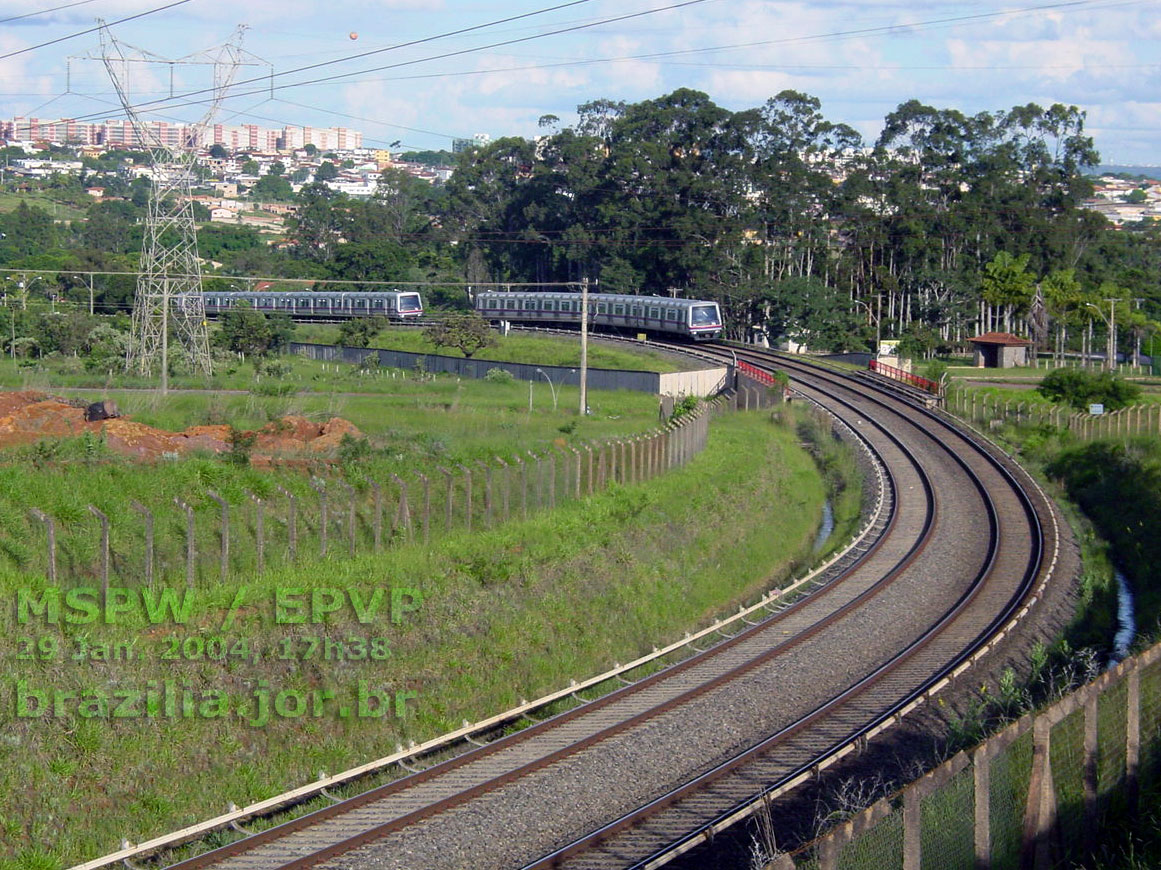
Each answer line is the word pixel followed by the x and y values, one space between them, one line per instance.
pixel 1079 389
pixel 499 376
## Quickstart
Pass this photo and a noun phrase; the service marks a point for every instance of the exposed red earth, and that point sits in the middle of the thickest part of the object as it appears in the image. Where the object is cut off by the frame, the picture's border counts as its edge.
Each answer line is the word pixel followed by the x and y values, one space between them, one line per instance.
pixel 29 416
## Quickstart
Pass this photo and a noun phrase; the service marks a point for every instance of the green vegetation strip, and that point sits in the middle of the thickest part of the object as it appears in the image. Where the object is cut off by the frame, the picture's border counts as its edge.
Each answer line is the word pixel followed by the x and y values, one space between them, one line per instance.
pixel 541 350
pixel 500 615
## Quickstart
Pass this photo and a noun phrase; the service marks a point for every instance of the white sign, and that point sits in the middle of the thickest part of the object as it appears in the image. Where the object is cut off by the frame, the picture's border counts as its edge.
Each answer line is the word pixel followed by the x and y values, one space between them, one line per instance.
pixel 1096 410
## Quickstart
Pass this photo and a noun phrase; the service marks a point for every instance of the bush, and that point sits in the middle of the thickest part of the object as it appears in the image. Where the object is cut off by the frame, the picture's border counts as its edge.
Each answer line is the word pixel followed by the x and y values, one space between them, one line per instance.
pixel 499 376
pixel 1079 389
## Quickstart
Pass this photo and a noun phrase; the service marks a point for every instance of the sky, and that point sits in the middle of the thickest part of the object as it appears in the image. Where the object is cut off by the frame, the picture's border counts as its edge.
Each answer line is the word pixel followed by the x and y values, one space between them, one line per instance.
pixel 513 62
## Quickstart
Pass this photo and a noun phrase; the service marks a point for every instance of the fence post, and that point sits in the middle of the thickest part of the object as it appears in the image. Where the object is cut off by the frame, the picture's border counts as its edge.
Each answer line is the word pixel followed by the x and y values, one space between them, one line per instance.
pixel 1040 812
pixel 291 522
pixel 523 487
pixel 467 496
pixel 487 493
pixel 50 536
pixel 189 541
pixel 576 483
pixel 350 516
pixel 1091 747
pixel 321 489
pixel 224 559
pixel 403 513
pixel 551 479
pixel 148 515
pixel 1133 736
pixel 505 490
pixel 377 521
pixel 450 493
pixel 982 774
pixel 104 551
pixel 259 530
pixel 589 451
pixel 912 830
pixel 426 508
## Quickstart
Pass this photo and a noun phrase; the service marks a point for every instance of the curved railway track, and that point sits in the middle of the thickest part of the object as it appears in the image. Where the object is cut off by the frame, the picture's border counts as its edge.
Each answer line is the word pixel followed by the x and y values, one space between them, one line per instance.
pixel 684 750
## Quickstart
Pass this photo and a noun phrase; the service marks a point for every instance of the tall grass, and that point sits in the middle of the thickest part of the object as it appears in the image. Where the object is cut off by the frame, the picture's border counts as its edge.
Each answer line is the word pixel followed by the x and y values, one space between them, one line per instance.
pixel 506 613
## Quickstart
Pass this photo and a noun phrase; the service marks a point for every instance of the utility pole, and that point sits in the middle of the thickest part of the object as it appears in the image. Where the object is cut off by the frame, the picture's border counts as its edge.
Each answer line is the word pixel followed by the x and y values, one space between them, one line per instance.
pixel 584 365
pixel 1112 333
pixel 90 294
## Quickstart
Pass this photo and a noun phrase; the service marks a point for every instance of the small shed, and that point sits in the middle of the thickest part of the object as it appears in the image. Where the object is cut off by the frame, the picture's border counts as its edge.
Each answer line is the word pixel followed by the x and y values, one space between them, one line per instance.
pixel 1000 350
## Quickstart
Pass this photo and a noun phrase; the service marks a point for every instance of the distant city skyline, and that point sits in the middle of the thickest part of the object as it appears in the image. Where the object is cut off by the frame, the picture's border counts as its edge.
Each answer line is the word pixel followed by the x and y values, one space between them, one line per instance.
pixel 862 59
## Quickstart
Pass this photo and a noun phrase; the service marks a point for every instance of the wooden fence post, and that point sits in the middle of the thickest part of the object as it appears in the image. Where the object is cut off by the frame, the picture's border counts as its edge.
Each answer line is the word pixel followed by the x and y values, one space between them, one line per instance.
pixel 577 469
pixel 551 457
pixel 377 522
pixel 104 551
pixel 450 494
pixel 523 487
pixel 487 493
pixel 426 508
pixel 224 559
pixel 321 488
pixel 467 496
pixel 189 541
pixel 259 530
pixel 50 538
pixel 350 516
pixel 291 522
pixel 589 451
pixel 506 491
pixel 148 515
pixel 403 513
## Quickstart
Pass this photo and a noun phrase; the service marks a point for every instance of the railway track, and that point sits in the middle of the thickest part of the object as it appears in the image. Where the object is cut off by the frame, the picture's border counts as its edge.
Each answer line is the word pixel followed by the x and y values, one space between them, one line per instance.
pixel 636 777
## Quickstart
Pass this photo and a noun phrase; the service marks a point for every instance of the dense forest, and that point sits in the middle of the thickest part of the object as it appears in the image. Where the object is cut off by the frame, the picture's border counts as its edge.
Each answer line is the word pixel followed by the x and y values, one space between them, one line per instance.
pixel 947 225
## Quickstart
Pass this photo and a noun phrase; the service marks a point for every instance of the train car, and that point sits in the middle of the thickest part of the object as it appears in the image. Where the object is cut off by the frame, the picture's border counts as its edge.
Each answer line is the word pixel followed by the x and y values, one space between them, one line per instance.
pixel 692 318
pixel 323 304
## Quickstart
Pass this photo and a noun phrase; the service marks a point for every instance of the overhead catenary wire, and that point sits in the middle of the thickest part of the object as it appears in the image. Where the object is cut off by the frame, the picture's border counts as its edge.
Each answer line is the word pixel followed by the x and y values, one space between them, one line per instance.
pixel 60 39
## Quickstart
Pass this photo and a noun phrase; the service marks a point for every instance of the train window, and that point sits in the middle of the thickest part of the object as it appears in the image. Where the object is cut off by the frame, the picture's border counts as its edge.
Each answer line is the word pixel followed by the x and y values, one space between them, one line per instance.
pixel 619 310
pixel 705 315
pixel 549 305
pixel 671 314
pixel 654 313
pixel 529 304
pixel 491 303
pixel 566 306
pixel 602 308
pixel 638 310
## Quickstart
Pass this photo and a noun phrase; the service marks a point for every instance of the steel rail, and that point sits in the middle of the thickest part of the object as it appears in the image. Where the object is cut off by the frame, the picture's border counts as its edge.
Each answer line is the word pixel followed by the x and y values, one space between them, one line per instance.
pixel 307 821
pixel 741 809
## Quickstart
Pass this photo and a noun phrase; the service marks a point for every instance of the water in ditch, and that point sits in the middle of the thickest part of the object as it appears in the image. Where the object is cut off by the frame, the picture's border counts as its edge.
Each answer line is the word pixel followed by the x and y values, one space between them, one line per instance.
pixel 826 529
pixel 1126 621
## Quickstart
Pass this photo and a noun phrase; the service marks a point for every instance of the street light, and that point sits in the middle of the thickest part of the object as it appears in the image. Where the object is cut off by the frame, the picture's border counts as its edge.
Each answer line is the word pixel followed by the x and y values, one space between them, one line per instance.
pixel 1111 323
pixel 551 386
pixel 878 322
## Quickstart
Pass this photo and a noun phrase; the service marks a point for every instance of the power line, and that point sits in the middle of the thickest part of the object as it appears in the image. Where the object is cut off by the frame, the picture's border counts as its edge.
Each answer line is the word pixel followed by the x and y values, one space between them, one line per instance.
pixel 45 11
pixel 94 29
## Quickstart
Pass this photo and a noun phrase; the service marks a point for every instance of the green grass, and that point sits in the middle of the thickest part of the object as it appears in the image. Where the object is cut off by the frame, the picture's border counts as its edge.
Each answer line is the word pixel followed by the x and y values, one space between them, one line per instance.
pixel 507 613
pixel 59 210
pixel 531 349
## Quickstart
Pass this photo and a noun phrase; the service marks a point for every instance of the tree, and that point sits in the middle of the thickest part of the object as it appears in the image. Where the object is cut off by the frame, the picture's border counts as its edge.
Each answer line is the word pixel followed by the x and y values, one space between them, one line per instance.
pixel 277 168
pixel 1008 285
pixel 218 151
pixel 272 188
pixel 359 331
pixel 326 172
pixel 467 332
pixel 310 148
pixel 244 330
pixel 250 167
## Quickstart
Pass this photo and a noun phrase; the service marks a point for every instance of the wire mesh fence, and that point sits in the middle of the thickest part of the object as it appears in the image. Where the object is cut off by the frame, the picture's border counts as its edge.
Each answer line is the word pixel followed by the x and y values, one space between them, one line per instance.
pixel 1034 795
pixel 988 412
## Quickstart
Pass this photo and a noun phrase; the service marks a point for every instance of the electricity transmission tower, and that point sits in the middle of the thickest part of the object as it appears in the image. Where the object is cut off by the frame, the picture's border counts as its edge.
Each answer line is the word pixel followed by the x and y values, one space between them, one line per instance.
pixel 169 282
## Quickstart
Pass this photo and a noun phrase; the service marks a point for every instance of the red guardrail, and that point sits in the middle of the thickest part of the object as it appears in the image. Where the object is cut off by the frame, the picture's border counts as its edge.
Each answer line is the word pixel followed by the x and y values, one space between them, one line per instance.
pixel 755 373
pixel 898 374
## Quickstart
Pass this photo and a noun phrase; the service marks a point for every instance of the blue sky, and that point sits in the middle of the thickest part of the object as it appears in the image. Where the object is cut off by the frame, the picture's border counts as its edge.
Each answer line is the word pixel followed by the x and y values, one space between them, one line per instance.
pixel 862 59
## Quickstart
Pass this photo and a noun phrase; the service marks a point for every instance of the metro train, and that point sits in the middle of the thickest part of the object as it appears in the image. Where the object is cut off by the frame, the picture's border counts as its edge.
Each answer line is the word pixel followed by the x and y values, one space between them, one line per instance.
pixel 394 305
pixel 692 318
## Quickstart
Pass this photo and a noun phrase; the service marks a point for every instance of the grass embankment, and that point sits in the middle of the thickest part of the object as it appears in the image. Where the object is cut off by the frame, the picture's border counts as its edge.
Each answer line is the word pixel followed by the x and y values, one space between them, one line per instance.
pixel 502 614
pixel 378 401
pixel 541 350
pixel 414 427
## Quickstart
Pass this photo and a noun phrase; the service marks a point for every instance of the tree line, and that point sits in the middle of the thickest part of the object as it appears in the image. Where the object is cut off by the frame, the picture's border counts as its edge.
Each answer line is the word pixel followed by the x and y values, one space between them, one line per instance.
pixel 947 225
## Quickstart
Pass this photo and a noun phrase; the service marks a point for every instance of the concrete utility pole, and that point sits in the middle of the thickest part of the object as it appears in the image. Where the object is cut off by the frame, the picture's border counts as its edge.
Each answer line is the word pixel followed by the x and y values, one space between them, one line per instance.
pixel 584 364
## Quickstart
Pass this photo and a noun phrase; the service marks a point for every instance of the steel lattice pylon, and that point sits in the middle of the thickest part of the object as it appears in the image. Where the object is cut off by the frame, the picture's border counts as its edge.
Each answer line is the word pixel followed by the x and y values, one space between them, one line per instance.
pixel 169 296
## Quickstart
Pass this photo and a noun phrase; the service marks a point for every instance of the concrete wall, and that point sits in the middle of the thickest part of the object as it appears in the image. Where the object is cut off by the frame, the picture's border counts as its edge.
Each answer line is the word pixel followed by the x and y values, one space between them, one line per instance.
pixel 699 383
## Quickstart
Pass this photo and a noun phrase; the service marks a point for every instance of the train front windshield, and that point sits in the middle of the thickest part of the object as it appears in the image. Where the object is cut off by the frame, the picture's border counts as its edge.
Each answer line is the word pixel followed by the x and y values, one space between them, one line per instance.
pixel 409 302
pixel 705 315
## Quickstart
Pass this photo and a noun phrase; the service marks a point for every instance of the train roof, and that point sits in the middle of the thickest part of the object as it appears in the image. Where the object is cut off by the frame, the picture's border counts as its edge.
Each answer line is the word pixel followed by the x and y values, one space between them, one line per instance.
pixel 598 297
pixel 309 293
